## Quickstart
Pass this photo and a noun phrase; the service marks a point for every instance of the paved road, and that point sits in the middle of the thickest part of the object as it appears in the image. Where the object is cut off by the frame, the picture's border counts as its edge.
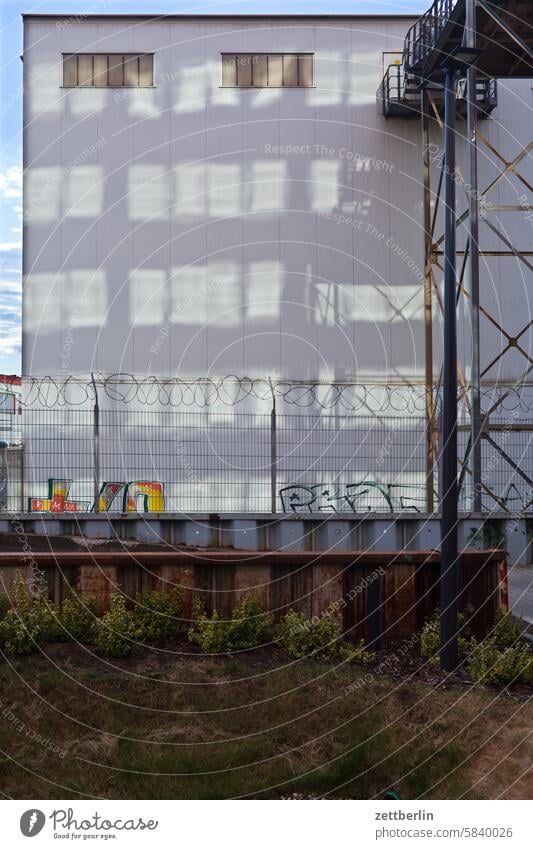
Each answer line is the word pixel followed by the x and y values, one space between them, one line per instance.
pixel 521 591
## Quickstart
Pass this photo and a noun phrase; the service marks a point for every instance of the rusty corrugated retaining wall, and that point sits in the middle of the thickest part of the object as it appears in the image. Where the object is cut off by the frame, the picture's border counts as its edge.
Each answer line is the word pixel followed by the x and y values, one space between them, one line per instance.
pixel 398 590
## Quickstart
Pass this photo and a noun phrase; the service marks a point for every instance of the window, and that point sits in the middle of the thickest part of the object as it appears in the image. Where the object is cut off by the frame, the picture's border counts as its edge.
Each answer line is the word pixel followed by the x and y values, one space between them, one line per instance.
pixel 131 70
pixel 267 70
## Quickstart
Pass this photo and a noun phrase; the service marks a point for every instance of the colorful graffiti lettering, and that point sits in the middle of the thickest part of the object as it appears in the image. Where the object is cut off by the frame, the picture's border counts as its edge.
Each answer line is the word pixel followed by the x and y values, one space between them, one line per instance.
pixel 138 497
pixel 57 500
pixel 148 493
pixel 108 491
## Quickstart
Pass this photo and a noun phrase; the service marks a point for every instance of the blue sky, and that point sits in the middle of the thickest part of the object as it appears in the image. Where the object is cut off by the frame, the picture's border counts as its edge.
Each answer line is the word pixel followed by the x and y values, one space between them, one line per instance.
pixel 11 114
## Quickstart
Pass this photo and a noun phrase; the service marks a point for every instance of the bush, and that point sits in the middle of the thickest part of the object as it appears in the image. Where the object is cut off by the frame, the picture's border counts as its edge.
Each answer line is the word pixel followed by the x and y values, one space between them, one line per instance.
pixel 504 657
pixel 115 630
pixel 29 623
pixel 491 664
pixel 507 630
pixel 247 628
pixel 302 637
pixel 430 637
pixel 48 618
pixel 158 614
pixel 356 653
pixel 5 606
pixel 78 619
pixel 19 632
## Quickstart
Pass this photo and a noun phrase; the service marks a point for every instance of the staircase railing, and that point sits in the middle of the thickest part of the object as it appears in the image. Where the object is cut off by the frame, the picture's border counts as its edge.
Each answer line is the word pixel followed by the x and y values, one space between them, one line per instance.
pixel 424 34
pixel 392 84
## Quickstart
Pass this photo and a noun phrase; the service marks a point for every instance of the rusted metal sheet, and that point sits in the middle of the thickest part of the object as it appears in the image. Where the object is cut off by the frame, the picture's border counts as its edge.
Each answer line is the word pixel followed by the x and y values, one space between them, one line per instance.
pixel 401 586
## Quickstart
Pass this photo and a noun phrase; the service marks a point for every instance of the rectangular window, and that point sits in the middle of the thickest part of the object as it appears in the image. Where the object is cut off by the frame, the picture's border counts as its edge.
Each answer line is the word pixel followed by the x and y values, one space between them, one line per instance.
pixel 267 70
pixel 117 70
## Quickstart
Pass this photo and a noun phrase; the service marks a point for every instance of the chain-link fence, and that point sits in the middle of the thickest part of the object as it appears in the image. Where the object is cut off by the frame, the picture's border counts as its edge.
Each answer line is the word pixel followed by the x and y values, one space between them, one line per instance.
pixel 228 460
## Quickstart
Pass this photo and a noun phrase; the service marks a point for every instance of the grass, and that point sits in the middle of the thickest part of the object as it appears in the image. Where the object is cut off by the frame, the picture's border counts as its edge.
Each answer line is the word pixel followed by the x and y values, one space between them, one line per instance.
pixel 179 725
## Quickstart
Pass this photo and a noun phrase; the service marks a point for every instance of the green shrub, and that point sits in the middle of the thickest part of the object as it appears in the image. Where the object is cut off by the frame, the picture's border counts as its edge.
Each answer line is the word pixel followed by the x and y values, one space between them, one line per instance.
pixel 504 657
pixel 507 630
pixel 430 637
pixel 48 618
pixel 158 614
pixel 356 653
pixel 491 664
pixel 5 606
pixel 302 637
pixel 78 619
pixel 115 630
pixel 30 622
pixel 247 628
pixel 19 632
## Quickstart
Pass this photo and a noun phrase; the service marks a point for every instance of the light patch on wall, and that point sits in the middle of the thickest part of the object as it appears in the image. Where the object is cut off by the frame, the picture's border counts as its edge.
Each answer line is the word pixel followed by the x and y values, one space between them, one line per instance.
pixel 147 192
pixel 147 297
pixel 190 190
pixel 85 192
pixel 42 301
pixel 390 304
pixel 86 101
pixel 87 298
pixel 142 103
pixel 188 290
pixel 268 186
pixel 43 86
pixel 371 304
pixel 407 302
pixel 224 294
pixel 194 87
pixel 329 78
pixel 265 97
pixel 363 71
pixel 262 286
pixel 334 303
pixel 324 184
pixel 41 193
pixel 224 188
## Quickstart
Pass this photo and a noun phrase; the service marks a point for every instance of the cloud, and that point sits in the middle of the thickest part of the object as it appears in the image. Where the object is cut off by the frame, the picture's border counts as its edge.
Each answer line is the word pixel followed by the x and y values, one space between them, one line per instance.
pixel 11 182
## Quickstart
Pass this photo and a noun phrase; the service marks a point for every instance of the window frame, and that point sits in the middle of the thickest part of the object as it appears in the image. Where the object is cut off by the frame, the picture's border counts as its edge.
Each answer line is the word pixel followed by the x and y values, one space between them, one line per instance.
pixel 107 86
pixel 266 54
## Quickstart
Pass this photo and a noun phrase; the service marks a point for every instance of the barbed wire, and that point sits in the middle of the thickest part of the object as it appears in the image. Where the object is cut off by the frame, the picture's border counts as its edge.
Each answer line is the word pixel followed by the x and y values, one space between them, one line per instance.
pixel 231 390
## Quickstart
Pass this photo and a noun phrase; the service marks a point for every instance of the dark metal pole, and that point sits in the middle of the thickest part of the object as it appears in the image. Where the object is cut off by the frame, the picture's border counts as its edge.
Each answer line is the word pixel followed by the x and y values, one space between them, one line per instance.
pixel 428 317
pixel 373 601
pixel 96 448
pixel 473 240
pixel 273 452
pixel 449 583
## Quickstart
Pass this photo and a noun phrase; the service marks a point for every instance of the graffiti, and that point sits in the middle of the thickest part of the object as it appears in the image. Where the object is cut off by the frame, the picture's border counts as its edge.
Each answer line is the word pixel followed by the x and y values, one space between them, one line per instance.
pixel 514 499
pixel 363 496
pixel 57 500
pixel 149 494
pixel 133 497
pixel 108 491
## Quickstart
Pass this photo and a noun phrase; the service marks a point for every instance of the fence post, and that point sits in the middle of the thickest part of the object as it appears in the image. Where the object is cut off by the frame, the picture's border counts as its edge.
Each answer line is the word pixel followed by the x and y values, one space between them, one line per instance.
pixel 22 471
pixel 96 447
pixel 273 453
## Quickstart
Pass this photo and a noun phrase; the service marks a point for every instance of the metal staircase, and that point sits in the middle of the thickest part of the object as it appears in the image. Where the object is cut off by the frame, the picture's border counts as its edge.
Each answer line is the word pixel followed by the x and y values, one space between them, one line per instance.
pixel 399 94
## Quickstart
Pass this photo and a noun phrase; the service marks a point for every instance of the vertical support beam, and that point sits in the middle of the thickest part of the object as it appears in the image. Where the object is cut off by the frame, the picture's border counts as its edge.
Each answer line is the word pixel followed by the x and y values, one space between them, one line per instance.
pixel 428 315
pixel 473 261
pixel 273 452
pixel 373 613
pixel 449 583
pixel 96 448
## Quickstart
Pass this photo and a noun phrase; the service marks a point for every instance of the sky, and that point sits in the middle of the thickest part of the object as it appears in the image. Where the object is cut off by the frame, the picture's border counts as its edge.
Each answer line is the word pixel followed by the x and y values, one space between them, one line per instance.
pixel 11 113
